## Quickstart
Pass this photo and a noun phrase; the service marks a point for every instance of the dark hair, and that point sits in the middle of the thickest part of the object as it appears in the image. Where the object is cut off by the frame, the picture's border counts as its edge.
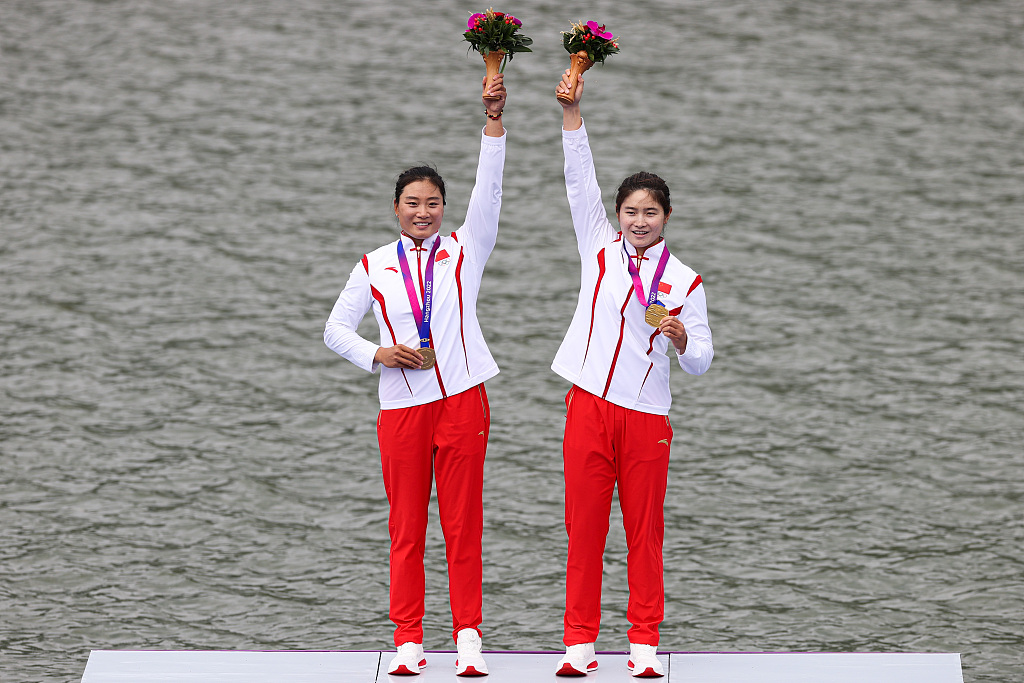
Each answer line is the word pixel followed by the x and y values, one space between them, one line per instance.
pixel 415 173
pixel 644 181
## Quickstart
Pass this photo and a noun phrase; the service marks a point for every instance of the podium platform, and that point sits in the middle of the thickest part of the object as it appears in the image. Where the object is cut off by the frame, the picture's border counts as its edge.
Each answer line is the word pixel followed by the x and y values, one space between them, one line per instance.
pixel 152 666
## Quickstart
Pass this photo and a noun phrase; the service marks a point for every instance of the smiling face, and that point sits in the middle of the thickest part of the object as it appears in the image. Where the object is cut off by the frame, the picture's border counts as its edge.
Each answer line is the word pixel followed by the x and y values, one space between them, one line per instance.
pixel 641 219
pixel 420 209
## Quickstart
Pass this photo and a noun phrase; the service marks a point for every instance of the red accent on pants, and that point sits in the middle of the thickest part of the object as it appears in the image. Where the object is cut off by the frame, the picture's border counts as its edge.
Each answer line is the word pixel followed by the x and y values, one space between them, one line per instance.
pixel 446 441
pixel 605 443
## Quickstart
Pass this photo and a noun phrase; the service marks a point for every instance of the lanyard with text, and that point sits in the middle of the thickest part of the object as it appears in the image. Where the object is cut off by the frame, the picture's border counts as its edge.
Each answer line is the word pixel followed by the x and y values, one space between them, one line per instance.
pixel 422 316
pixel 655 311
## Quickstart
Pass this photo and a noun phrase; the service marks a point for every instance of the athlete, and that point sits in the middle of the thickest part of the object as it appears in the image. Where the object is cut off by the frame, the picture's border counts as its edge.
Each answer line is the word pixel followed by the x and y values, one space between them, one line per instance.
pixel 433 361
pixel 636 302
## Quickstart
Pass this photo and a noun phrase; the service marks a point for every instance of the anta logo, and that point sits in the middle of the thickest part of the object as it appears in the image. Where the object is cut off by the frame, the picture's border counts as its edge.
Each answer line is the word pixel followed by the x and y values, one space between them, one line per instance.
pixel 391 268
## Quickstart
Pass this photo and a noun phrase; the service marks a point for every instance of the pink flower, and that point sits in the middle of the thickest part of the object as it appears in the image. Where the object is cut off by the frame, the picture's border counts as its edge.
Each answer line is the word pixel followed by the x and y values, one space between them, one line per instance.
pixel 516 22
pixel 473 20
pixel 598 30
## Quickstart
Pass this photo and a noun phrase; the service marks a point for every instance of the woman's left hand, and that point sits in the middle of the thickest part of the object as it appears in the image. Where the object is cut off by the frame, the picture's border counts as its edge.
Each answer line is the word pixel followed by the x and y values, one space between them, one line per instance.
pixel 496 88
pixel 672 328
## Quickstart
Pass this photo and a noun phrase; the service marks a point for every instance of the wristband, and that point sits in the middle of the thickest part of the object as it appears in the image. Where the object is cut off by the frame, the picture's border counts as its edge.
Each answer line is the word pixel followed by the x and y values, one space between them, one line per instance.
pixel 492 117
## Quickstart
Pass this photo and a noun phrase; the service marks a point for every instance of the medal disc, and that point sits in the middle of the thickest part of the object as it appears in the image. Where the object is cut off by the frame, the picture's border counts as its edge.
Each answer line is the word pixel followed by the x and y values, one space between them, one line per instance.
pixel 429 358
pixel 655 312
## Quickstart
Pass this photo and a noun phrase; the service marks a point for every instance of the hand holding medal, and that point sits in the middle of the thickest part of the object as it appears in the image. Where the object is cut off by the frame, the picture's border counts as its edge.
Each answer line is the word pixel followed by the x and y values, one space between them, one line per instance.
pixel 673 329
pixel 399 356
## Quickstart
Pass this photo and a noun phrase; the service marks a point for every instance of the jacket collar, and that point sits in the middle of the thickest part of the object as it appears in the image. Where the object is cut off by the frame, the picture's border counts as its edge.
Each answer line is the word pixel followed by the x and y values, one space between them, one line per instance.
pixel 409 244
pixel 653 252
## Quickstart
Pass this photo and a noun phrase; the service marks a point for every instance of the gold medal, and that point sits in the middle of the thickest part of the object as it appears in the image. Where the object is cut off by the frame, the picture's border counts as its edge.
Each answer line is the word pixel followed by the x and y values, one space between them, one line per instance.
pixel 655 313
pixel 429 357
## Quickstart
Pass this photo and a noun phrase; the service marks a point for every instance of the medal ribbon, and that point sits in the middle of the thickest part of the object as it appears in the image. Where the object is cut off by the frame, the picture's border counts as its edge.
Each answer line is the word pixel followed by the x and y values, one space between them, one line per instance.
pixel 422 316
pixel 638 286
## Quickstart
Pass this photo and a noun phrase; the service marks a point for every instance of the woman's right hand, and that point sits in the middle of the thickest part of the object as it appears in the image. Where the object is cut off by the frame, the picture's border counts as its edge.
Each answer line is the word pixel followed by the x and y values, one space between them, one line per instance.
pixel 572 118
pixel 399 356
pixel 565 85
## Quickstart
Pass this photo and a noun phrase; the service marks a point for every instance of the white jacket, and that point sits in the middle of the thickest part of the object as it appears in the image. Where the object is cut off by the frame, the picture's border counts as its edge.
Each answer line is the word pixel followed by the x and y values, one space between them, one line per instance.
pixel 463 359
pixel 609 350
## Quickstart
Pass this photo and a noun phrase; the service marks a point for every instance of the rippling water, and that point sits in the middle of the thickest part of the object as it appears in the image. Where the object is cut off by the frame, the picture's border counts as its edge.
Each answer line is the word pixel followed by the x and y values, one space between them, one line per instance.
pixel 186 185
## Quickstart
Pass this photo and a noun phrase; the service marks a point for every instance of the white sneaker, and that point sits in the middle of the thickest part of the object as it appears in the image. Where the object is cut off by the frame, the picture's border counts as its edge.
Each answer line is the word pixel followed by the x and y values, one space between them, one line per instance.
pixel 643 661
pixel 408 661
pixel 579 660
pixel 470 662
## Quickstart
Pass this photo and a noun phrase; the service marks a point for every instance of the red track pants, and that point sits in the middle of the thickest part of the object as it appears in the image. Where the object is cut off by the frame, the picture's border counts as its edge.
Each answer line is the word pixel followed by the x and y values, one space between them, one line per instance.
pixel 604 444
pixel 444 440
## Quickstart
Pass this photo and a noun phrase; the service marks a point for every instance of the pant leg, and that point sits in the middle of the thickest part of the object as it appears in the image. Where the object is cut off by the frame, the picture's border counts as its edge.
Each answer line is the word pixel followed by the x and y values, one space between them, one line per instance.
pixel 588 461
pixel 405 436
pixel 643 459
pixel 461 435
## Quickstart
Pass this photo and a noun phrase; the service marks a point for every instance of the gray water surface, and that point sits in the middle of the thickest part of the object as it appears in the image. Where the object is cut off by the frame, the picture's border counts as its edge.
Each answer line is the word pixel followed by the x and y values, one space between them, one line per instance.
pixel 184 187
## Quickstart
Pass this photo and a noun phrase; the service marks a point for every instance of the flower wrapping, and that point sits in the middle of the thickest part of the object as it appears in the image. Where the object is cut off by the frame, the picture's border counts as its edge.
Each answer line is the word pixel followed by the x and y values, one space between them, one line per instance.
pixel 491 31
pixel 586 44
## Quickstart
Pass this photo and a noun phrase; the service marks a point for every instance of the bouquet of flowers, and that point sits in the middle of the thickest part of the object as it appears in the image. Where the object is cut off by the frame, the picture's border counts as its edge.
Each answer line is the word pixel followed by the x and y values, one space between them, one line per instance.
pixel 495 35
pixel 586 43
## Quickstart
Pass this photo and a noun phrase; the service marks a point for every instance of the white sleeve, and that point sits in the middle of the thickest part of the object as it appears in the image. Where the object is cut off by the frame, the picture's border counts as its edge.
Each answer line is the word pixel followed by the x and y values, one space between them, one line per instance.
pixel 699 348
pixel 479 233
pixel 340 332
pixel 589 219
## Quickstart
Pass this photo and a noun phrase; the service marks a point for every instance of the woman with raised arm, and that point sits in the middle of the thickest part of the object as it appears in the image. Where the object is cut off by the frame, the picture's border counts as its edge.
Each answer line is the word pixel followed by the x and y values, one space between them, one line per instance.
pixel 433 361
pixel 636 302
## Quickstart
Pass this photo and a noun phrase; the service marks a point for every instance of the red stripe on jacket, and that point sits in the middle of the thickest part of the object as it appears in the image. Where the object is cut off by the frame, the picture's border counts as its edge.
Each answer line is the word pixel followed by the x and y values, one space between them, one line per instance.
pixel 462 325
pixel 593 305
pixel 618 346
pixel 387 321
pixel 694 285
pixel 437 369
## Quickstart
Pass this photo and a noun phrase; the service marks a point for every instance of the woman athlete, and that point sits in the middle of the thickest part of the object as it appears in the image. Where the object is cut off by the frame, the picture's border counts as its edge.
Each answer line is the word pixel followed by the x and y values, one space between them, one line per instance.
pixel 434 417
pixel 636 302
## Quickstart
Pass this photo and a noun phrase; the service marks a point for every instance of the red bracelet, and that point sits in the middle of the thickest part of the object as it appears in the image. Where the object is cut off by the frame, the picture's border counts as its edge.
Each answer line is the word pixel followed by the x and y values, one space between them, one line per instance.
pixel 492 118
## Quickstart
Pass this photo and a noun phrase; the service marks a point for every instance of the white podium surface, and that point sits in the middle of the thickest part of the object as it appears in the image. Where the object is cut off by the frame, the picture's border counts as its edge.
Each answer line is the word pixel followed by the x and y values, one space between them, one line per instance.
pixel 831 667
pixel 156 666
pixel 173 666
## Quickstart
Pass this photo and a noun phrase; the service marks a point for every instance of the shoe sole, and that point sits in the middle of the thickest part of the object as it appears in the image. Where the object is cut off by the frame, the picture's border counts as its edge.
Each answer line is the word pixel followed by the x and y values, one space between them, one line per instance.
pixel 569 670
pixel 470 671
pixel 649 672
pixel 403 670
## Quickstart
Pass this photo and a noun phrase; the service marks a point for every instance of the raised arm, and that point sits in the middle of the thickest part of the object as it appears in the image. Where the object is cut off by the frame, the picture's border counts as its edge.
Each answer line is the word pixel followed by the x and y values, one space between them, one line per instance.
pixel 494 107
pixel 479 233
pixel 589 219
